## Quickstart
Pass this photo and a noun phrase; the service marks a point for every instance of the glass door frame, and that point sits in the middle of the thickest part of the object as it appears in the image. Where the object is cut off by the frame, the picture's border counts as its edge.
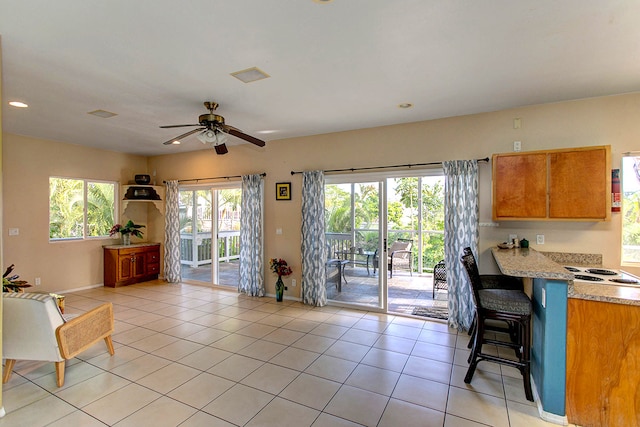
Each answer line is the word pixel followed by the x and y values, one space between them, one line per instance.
pixel 356 178
pixel 213 188
pixel 383 178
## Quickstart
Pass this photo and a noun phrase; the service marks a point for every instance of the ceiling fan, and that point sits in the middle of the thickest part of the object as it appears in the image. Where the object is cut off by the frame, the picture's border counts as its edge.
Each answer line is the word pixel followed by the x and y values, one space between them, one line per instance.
pixel 212 129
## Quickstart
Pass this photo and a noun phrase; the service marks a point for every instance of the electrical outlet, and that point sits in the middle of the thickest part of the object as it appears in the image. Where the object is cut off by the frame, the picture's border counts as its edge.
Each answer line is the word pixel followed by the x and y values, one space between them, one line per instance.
pixel 540 239
pixel 517 145
pixel 293 283
pixel 37 281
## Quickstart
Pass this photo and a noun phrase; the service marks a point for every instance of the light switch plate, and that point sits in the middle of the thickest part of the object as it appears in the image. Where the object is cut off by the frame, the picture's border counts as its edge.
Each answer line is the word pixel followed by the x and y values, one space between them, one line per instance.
pixel 14 231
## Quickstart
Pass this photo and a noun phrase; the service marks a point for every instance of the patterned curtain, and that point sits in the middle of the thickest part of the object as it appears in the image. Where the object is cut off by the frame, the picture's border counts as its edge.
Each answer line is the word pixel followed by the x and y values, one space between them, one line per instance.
pixel 460 230
pixel 314 250
pixel 251 252
pixel 172 234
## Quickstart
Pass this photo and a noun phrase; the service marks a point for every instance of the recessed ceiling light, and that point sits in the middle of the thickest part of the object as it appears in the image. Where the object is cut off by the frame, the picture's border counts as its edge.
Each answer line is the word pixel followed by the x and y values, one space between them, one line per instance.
pixel 322 1
pixel 266 131
pixel 250 75
pixel 405 105
pixel 102 113
pixel 18 104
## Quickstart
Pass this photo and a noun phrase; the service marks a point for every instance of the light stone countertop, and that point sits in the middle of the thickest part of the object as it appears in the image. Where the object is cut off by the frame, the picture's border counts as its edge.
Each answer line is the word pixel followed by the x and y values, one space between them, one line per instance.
pixel 527 262
pixel 531 263
pixel 605 293
pixel 133 245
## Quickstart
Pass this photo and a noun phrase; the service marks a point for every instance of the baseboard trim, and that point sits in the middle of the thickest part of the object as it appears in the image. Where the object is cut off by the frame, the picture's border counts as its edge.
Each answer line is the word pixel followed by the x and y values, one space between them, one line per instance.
pixel 547 416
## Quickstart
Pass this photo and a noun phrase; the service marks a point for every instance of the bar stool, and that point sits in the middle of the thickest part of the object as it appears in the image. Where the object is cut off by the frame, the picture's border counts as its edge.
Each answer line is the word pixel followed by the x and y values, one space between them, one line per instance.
pixel 511 306
pixel 494 281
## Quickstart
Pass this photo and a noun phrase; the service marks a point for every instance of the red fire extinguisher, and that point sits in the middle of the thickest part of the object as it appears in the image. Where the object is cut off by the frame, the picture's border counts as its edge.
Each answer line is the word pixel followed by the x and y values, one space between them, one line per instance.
pixel 616 199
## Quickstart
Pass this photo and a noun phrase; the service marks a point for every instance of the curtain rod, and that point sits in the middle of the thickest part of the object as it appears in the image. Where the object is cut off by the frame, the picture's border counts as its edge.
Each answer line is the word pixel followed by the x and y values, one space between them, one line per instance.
pixel 263 174
pixel 486 159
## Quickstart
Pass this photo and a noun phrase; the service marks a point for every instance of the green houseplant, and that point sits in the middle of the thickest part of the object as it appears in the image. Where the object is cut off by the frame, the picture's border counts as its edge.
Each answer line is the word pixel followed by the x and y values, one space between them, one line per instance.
pixel 11 283
pixel 126 231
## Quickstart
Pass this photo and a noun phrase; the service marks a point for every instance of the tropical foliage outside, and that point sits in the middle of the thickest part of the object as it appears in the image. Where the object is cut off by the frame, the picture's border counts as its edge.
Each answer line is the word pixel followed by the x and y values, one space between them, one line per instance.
pixel 67 205
pixel 229 201
pixel 403 213
pixel 631 209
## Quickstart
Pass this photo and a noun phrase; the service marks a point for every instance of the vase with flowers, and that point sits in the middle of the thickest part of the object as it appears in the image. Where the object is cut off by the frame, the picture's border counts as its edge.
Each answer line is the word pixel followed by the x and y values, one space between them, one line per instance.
pixel 126 231
pixel 280 267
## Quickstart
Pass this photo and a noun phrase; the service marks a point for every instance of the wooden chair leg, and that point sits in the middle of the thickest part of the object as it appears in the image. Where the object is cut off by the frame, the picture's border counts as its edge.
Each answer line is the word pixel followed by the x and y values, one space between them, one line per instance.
pixel 60 373
pixel 109 343
pixel 8 369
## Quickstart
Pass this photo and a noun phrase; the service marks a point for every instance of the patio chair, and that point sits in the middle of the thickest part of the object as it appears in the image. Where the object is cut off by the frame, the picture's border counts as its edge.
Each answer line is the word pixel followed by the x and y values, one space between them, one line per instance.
pixel 439 278
pixel 34 329
pixel 400 256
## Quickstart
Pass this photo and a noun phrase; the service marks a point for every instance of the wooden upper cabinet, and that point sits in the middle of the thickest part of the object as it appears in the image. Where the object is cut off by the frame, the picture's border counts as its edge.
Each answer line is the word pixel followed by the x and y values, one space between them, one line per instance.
pixel 568 184
pixel 520 186
pixel 580 184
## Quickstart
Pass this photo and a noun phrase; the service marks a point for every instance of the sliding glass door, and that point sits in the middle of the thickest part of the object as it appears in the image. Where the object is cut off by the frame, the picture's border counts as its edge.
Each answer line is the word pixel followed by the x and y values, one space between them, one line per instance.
pixel 210 234
pixel 368 219
pixel 353 230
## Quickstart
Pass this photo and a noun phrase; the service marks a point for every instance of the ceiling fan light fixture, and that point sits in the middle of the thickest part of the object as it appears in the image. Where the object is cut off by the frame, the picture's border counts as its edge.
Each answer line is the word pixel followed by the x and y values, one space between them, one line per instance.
pixel 207 136
pixel 221 148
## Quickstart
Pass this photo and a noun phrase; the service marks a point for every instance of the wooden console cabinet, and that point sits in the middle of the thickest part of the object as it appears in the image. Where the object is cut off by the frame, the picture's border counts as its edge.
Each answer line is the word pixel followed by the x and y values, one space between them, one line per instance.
pixel 126 265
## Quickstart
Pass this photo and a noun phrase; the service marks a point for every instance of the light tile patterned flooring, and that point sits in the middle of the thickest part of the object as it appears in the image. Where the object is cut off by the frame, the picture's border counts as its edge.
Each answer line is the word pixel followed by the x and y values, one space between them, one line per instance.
pixel 197 356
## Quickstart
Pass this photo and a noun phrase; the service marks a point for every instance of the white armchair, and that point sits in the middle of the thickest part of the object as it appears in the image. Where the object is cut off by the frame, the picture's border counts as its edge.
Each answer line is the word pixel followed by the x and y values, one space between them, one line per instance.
pixel 34 329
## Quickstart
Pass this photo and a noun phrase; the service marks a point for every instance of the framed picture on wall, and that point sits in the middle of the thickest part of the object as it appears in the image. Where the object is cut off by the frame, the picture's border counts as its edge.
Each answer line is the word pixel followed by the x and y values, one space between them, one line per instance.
pixel 283 191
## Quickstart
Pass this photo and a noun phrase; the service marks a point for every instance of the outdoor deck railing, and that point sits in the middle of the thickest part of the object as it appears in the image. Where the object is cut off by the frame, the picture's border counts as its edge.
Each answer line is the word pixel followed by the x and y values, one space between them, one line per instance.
pixel 198 252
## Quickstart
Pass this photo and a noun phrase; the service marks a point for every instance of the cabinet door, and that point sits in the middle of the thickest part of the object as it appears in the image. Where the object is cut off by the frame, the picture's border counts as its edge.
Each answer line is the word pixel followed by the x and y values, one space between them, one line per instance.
pixel 125 267
pixel 139 264
pixel 519 186
pixel 579 184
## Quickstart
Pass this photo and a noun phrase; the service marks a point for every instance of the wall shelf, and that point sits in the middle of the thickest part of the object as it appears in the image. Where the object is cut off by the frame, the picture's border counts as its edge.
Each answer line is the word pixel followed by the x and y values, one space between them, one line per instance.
pixel 158 204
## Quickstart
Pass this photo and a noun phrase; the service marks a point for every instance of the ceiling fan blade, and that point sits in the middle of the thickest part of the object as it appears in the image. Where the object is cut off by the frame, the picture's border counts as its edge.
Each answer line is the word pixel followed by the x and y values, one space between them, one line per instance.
pixel 239 134
pixel 177 126
pixel 184 135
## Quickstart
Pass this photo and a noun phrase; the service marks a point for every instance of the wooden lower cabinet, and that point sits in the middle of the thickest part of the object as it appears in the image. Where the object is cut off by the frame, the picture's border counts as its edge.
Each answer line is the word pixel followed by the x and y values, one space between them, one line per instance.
pixel 603 363
pixel 126 265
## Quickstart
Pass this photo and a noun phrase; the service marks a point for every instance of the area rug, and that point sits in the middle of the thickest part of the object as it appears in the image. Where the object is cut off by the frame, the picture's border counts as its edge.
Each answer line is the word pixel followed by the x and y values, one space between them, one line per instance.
pixel 433 312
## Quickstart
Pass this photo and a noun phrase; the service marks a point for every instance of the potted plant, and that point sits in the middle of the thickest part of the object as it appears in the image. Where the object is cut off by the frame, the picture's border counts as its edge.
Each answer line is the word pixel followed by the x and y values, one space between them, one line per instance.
pixel 11 283
pixel 280 267
pixel 126 231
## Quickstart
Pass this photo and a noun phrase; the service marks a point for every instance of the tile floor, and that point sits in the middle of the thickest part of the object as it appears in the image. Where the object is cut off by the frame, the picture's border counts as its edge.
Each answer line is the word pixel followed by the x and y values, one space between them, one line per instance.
pixel 196 356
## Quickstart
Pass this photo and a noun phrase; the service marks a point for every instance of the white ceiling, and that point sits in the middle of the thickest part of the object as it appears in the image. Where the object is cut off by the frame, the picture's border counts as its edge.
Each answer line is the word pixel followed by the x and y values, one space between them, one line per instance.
pixel 336 66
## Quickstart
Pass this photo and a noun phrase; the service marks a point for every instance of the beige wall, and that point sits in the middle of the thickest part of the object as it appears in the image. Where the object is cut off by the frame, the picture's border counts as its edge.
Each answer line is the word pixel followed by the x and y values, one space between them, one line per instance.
pixel 600 121
pixel 28 163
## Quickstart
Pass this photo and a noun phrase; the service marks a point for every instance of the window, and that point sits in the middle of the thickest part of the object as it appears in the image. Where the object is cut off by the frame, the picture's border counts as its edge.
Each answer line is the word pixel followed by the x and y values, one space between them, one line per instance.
pixel 80 209
pixel 631 209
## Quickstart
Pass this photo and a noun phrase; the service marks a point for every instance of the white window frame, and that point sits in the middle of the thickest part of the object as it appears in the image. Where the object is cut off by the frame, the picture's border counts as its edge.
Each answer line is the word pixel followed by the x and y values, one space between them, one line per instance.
pixel 85 228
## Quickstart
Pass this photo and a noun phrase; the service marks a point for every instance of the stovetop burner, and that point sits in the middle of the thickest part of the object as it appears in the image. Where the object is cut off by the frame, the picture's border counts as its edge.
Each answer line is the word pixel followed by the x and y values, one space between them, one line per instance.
pixel 601 271
pixel 572 269
pixel 589 278
pixel 627 281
